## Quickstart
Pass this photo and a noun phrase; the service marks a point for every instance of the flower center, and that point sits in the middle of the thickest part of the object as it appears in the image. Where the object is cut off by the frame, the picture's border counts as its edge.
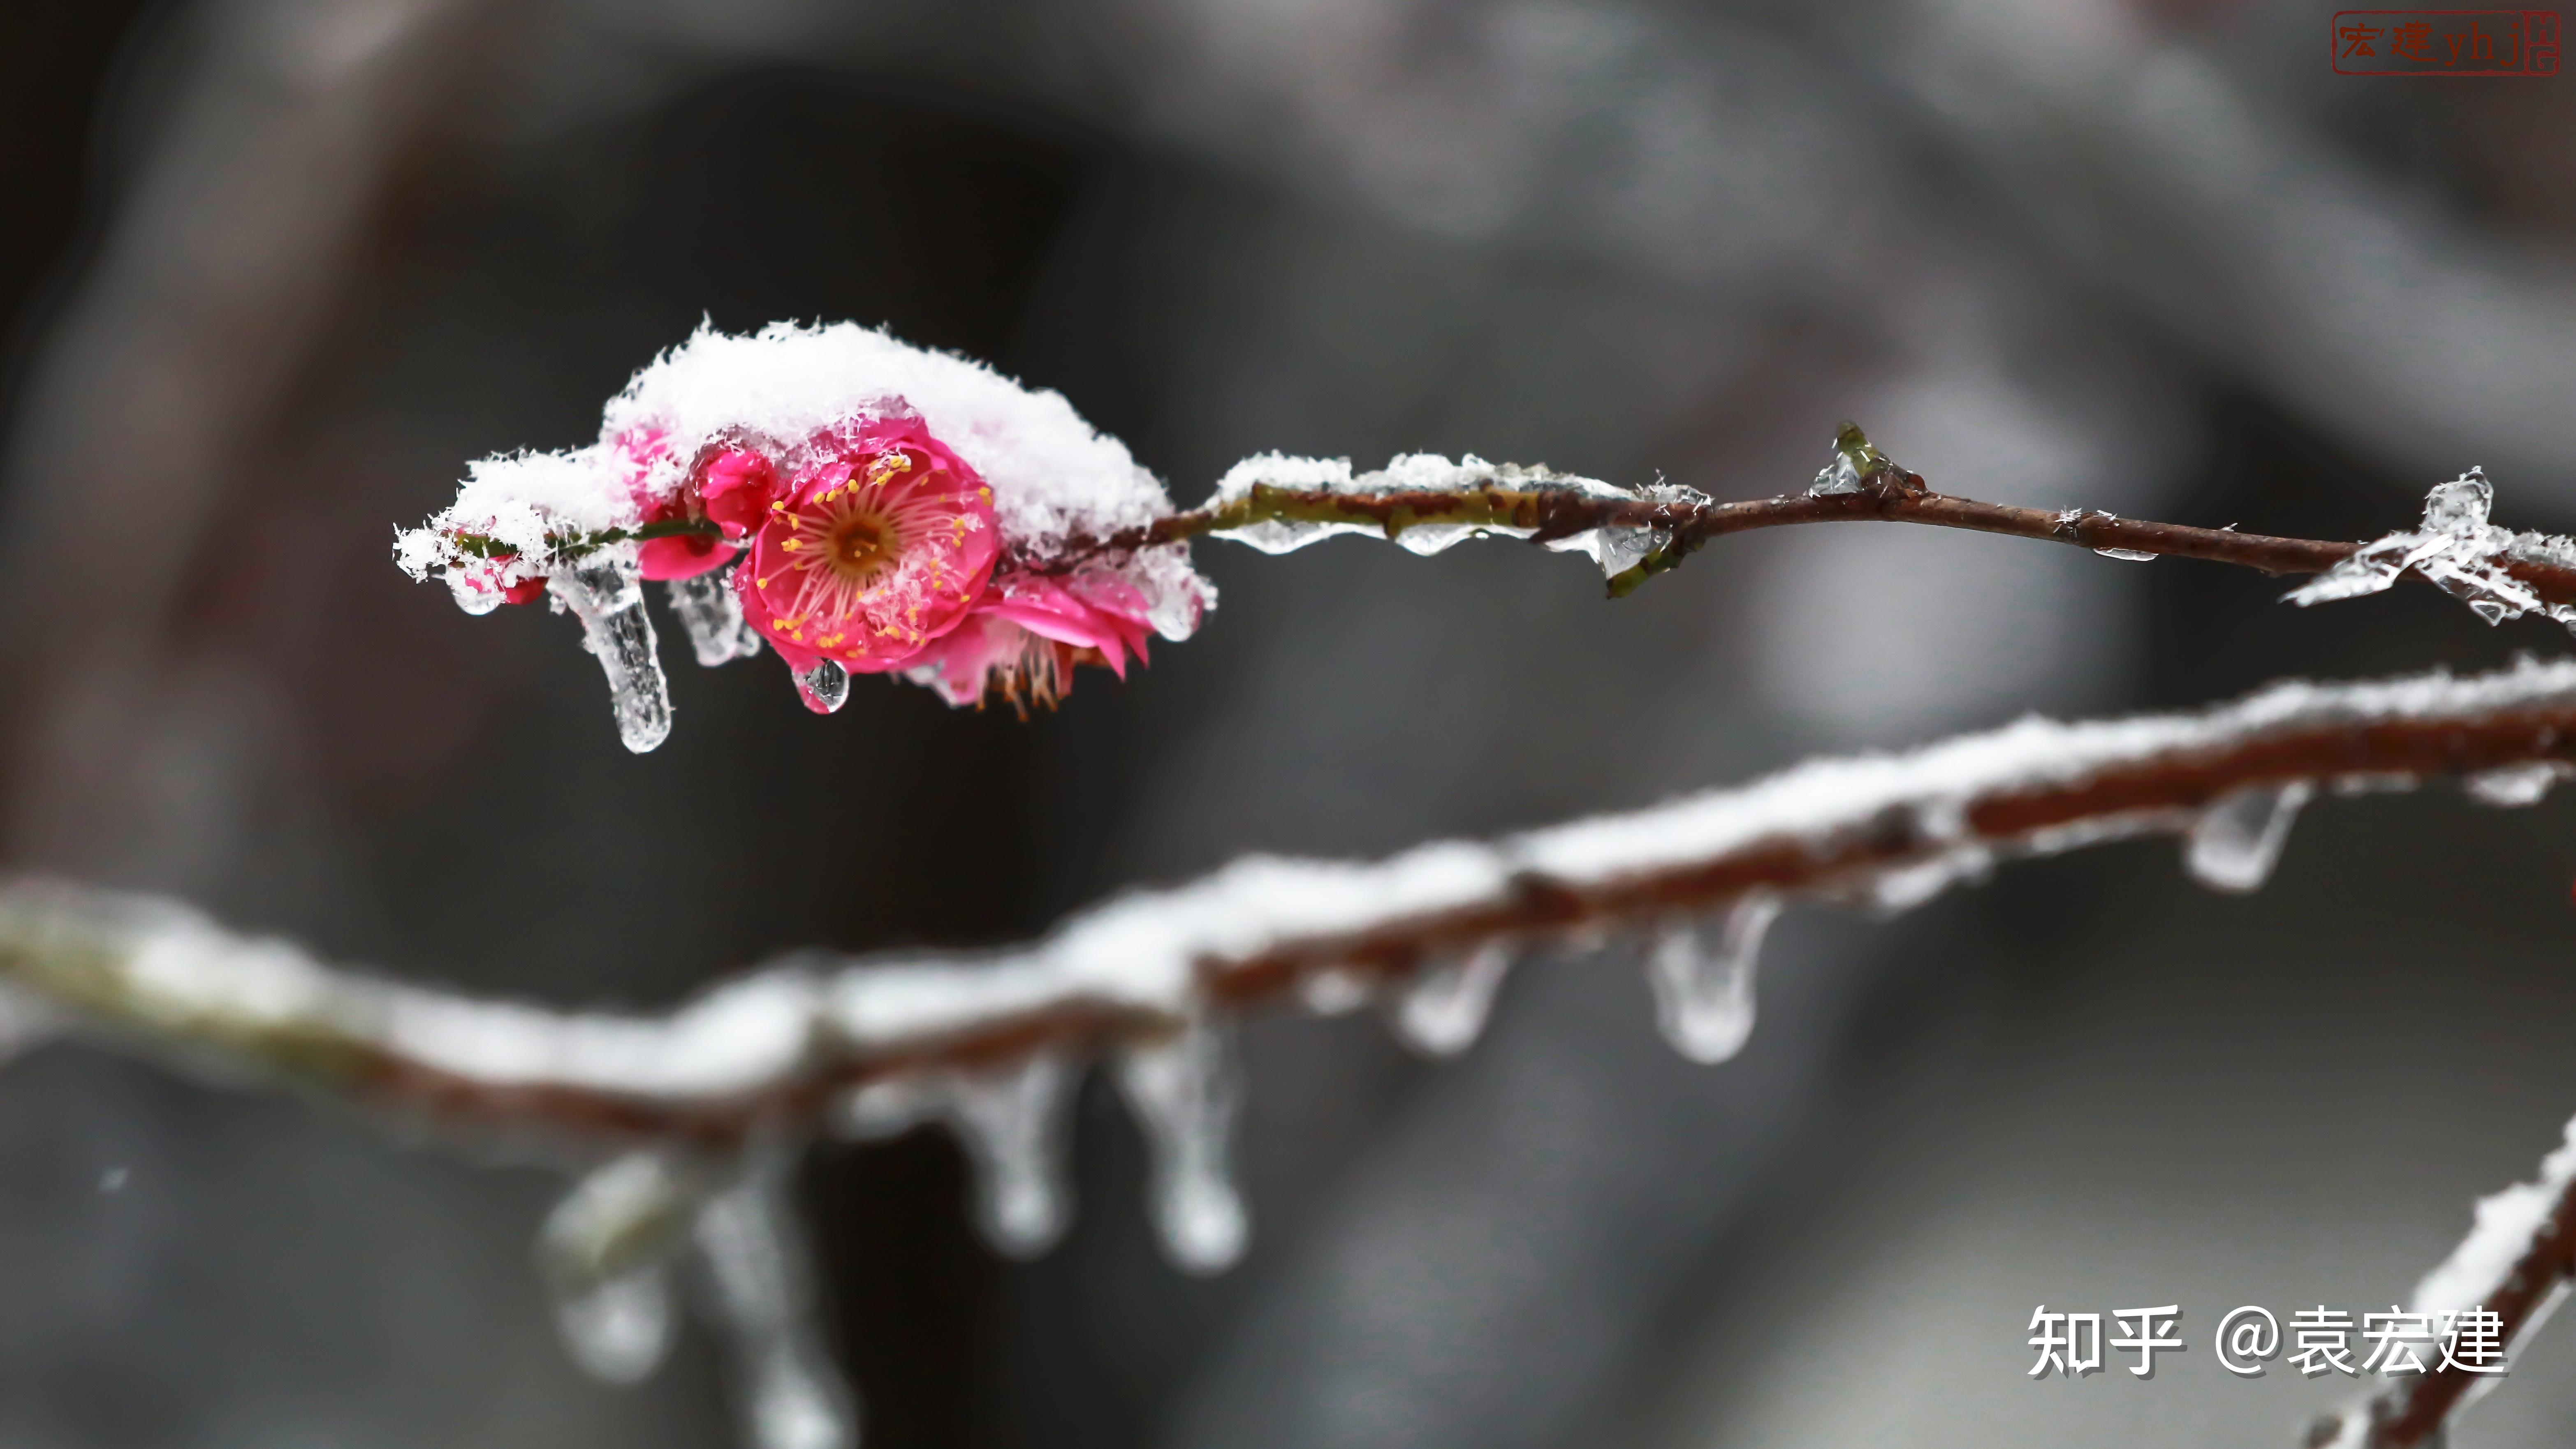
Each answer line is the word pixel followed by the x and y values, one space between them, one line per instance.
pixel 857 547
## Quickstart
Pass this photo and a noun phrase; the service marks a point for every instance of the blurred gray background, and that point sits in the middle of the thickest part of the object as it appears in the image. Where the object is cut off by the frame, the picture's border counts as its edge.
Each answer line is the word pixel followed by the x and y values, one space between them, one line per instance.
pixel 276 268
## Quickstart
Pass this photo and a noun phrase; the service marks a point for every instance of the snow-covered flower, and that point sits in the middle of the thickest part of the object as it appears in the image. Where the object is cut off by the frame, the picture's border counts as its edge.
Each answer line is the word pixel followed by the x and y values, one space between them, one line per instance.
pixel 866 504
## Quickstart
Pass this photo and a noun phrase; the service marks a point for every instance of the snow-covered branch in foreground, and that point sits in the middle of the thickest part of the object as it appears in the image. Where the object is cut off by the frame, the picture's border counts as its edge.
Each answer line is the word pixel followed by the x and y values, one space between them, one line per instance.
pixel 692 1112
pixel 863 506
pixel 2515 1263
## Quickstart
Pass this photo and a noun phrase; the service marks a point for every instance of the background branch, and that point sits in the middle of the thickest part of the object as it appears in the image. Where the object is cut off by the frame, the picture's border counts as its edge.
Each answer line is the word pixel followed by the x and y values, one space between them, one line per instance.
pixel 771 1050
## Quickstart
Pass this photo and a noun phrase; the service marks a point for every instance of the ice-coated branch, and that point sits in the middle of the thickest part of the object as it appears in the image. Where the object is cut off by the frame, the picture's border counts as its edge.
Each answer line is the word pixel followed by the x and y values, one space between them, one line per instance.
pixel 783 1044
pixel 687 1121
pixel 1426 503
pixel 2515 1263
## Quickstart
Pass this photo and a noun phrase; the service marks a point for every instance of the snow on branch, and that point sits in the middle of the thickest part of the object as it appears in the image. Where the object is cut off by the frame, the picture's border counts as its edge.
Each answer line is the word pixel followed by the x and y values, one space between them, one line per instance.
pixel 2509 1273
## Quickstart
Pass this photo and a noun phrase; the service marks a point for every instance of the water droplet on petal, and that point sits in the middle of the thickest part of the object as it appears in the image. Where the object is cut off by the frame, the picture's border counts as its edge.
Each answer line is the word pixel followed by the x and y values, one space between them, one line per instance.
pixel 1442 1010
pixel 608 597
pixel 1184 1089
pixel 2238 837
pixel 1702 972
pixel 712 614
pixel 824 688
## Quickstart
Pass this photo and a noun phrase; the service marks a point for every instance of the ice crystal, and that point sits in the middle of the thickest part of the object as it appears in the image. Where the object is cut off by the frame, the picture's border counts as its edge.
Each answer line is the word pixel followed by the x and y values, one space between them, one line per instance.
pixel 2456 548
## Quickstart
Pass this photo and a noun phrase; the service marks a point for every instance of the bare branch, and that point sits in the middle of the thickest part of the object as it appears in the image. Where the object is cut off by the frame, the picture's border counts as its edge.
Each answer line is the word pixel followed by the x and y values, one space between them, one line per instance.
pixel 771 1050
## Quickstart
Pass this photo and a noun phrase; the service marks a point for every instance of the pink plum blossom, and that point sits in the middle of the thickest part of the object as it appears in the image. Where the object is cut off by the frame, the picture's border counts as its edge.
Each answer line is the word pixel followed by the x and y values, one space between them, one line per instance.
pixel 876 545
pixel 1025 637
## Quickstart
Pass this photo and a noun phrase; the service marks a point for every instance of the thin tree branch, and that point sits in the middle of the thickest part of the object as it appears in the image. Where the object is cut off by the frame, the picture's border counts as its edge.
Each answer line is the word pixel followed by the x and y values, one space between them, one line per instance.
pixel 2415 1411
pixel 771 1050
pixel 1890 495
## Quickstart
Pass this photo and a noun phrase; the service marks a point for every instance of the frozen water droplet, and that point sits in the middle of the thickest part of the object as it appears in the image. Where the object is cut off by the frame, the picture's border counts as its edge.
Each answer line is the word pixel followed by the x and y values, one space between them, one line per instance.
pixel 603 1254
pixel 608 597
pixel 824 688
pixel 1894 891
pixel 1442 1010
pixel 1284 535
pixel 2238 838
pixel 2489 609
pixel 2126 555
pixel 1702 973
pixel 712 614
pixel 1334 991
pixel 474 595
pixel 1183 1089
pixel 1013 1126
pixel 1615 550
pixel 2515 785
pixel 761 1275
pixel 619 1329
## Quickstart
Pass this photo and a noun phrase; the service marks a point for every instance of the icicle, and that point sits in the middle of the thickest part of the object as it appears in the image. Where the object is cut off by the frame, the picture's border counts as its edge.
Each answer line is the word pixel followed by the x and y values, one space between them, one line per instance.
pixel 1286 535
pixel 608 598
pixel 1013 1126
pixel 1334 991
pixel 2127 555
pixel 2515 785
pixel 2234 844
pixel 604 1254
pixel 1442 1010
pixel 1183 1089
pixel 824 688
pixel 712 614
pixel 762 1279
pixel 1702 973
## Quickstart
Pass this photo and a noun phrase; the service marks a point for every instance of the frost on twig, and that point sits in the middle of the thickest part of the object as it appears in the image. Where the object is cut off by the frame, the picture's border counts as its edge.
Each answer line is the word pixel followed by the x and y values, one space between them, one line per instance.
pixel 2515 1263
pixel 696 1113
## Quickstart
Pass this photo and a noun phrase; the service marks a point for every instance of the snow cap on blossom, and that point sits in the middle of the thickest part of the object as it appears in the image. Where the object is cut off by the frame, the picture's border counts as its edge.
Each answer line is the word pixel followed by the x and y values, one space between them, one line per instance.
pixel 859 504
